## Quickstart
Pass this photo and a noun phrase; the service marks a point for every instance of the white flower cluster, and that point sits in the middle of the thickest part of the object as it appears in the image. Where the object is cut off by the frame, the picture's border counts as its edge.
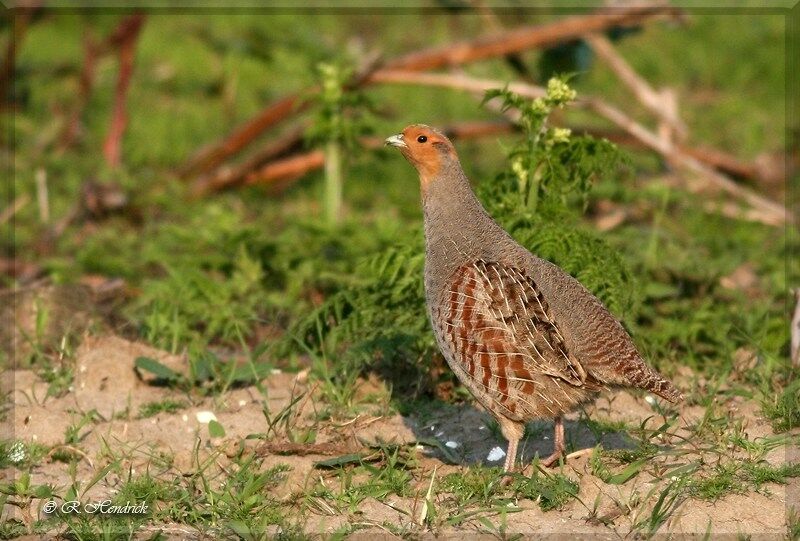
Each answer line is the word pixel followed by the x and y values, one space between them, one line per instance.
pixel 559 135
pixel 558 91
pixel 17 452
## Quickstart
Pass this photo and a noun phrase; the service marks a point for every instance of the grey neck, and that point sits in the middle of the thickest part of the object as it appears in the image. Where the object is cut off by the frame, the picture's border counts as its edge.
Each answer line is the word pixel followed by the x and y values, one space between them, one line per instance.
pixel 457 227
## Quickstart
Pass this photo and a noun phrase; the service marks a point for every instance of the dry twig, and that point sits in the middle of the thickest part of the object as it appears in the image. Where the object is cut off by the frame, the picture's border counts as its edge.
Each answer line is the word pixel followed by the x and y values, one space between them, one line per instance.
pixel 22 16
pixel 15 207
pixel 229 176
pixel 795 332
pixel 649 97
pixel 124 40
pixel 527 37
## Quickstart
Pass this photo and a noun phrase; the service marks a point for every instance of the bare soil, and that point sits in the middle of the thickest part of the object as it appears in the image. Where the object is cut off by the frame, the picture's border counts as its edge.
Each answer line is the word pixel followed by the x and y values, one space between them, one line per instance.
pixel 107 382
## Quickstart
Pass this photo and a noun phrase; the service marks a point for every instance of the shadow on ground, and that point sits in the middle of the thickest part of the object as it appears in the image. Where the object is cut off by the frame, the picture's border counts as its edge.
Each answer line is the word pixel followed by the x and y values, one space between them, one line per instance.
pixel 470 435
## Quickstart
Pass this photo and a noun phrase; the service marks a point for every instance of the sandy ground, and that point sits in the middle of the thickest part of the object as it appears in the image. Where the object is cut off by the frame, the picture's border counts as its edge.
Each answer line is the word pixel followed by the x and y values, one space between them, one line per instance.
pixel 106 381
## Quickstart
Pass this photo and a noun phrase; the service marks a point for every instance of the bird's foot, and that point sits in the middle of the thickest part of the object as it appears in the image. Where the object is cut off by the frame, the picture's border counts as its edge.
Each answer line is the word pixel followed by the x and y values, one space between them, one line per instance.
pixel 552 460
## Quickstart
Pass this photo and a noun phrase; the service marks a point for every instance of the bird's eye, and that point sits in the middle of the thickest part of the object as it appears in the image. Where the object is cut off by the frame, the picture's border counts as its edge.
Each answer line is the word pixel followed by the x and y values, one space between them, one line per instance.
pixel 421 139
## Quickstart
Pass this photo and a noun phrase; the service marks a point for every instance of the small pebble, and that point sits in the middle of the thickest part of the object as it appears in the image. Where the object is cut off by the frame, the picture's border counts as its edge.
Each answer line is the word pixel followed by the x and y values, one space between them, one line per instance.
pixel 495 454
pixel 649 399
pixel 242 403
pixel 185 418
pixel 205 417
pixel 452 444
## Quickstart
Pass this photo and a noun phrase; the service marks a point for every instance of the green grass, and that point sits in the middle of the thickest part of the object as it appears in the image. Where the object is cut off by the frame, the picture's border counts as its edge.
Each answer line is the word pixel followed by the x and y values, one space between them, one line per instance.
pixel 784 408
pixel 150 409
pixel 741 478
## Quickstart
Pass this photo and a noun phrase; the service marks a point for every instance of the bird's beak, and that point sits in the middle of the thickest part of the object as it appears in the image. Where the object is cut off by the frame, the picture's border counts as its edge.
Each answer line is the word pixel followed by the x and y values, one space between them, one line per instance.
pixel 396 141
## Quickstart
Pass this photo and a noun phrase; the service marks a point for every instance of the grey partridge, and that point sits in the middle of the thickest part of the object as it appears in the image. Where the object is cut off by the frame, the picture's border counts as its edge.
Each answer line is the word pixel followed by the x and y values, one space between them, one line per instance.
pixel 527 339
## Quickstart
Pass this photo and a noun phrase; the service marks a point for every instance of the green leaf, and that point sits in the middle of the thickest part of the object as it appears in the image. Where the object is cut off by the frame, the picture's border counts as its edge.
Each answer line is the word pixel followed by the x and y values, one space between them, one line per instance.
pixel 343 460
pixel 631 471
pixel 216 430
pixel 203 367
pixel 157 369
pixel 433 442
pixel 250 372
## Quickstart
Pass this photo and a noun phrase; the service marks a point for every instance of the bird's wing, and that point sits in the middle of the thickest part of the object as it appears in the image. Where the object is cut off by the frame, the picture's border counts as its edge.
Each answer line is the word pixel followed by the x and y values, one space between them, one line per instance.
pixel 499 322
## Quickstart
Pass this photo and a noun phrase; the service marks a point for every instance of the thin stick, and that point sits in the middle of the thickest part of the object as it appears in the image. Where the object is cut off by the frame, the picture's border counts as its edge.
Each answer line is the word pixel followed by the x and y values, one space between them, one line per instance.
pixel 578 454
pixel 22 16
pixel 212 155
pixel 289 168
pixel 42 198
pixel 124 38
pixel 229 176
pixel 15 207
pixel 772 212
pixel 85 85
pixel 333 182
pixel 795 332
pixel 527 37
pixel 649 97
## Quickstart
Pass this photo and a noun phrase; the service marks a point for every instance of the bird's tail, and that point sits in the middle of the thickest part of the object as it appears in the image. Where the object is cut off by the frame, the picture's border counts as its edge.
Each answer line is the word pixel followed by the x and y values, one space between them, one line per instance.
pixel 657 384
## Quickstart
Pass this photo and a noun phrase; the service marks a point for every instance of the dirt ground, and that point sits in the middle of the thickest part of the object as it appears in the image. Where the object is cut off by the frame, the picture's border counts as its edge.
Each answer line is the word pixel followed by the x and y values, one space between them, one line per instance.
pixel 106 381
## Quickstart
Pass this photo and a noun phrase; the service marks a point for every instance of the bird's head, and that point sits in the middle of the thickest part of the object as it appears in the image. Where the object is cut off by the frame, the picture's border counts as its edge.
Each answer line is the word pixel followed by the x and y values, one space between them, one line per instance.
pixel 427 149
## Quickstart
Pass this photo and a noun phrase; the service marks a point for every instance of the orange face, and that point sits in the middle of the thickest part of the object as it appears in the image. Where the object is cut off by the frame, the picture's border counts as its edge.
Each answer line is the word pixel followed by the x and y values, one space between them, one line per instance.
pixel 425 148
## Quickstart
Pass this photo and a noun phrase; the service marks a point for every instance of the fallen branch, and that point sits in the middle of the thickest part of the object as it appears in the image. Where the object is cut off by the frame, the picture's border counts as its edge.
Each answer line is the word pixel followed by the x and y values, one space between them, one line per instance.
pixel 212 155
pixel 649 97
pixel 92 51
pixel 288 168
pixel 528 37
pixel 22 271
pixel 771 212
pixel 124 40
pixel 301 449
pixel 15 207
pixel 501 44
pixel 719 160
pixel 22 17
pixel 230 176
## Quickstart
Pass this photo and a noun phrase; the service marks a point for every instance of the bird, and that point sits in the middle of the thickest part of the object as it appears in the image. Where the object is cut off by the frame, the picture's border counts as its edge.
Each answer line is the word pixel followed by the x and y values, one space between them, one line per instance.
pixel 526 339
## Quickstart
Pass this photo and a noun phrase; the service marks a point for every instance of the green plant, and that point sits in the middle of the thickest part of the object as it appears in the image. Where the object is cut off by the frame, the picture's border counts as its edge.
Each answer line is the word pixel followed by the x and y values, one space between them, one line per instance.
pixel 207 373
pixel 168 405
pixel 550 490
pixel 21 493
pixel 783 408
pixel 340 120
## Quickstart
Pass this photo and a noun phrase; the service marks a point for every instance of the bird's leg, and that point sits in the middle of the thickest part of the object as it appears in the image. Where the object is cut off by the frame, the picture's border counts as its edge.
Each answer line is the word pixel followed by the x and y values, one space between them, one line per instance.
pixel 511 458
pixel 513 433
pixel 511 455
pixel 558 444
